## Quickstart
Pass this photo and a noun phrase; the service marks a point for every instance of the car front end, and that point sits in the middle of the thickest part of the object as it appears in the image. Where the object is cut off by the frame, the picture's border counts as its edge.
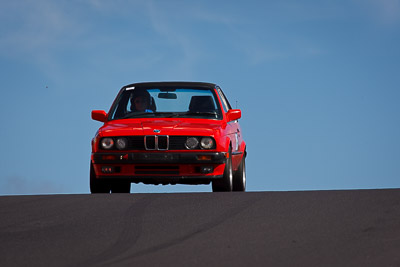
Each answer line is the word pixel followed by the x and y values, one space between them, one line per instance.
pixel 168 133
pixel 159 156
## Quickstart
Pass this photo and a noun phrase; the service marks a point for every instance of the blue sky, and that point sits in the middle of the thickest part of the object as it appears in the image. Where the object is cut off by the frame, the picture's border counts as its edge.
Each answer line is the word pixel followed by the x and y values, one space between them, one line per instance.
pixel 317 82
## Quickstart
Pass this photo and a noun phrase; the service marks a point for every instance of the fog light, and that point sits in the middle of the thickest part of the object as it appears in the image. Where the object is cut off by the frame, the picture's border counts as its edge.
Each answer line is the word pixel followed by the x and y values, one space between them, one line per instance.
pixel 207 169
pixel 107 169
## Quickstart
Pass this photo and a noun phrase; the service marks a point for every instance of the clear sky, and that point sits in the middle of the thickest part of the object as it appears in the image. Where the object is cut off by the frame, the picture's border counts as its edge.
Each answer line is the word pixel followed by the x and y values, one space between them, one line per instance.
pixel 318 83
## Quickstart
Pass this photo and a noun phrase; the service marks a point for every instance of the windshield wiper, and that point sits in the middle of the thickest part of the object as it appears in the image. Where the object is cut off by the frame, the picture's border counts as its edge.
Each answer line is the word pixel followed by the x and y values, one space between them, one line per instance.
pixel 168 114
pixel 165 114
pixel 200 113
pixel 138 115
pixel 150 114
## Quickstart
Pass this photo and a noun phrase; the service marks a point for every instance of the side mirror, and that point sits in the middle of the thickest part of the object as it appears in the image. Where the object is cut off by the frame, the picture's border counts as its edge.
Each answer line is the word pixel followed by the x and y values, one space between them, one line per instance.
pixel 234 114
pixel 99 115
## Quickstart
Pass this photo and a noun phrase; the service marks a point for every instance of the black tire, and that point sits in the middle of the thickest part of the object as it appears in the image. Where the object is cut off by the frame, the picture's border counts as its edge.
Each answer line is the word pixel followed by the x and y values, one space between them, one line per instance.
pixel 226 183
pixel 239 177
pixel 121 187
pixel 97 186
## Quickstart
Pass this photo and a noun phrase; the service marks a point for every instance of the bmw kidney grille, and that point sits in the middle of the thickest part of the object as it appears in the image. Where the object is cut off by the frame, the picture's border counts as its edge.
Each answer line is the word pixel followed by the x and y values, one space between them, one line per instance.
pixel 156 142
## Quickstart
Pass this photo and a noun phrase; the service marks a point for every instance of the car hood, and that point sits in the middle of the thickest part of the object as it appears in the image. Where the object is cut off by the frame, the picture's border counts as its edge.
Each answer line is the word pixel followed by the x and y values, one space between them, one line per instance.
pixel 160 127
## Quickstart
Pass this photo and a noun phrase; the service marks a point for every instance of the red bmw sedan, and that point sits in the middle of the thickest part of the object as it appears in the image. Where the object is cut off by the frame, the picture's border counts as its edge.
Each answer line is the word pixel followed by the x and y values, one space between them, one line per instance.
pixel 168 133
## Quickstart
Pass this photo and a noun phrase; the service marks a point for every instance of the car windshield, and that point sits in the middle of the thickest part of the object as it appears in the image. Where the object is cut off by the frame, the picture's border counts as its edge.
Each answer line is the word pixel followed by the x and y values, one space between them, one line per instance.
pixel 166 103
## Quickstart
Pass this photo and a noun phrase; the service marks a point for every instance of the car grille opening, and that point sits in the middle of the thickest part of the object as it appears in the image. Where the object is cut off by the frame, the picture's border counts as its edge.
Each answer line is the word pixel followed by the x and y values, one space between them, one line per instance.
pixel 162 142
pixel 156 142
pixel 150 142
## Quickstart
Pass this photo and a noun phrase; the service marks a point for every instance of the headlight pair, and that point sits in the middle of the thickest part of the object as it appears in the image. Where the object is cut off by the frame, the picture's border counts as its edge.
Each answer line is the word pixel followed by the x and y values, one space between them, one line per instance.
pixel 108 143
pixel 121 143
pixel 205 143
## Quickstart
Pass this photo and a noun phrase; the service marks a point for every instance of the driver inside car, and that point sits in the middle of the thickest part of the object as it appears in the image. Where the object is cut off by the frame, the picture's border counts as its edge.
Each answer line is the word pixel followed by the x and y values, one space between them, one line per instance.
pixel 141 101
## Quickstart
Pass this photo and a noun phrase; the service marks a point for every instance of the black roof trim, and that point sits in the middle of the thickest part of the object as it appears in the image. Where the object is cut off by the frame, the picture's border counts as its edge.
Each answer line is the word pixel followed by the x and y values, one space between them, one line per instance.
pixel 173 84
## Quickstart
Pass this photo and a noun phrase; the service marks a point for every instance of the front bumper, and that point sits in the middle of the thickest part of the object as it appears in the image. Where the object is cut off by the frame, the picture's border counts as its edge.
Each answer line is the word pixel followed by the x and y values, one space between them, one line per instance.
pixel 160 168
pixel 159 158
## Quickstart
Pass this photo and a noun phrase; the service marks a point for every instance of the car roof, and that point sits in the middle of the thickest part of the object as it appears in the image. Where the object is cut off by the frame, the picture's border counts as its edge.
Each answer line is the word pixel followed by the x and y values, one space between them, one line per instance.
pixel 172 84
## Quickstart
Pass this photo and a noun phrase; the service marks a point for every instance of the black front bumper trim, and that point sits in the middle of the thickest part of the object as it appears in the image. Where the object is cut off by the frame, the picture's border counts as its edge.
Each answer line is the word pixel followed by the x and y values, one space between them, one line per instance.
pixel 158 158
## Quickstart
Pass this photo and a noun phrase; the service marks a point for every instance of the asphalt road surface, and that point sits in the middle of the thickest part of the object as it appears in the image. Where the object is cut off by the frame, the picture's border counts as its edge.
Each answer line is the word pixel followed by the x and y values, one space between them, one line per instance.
pixel 315 228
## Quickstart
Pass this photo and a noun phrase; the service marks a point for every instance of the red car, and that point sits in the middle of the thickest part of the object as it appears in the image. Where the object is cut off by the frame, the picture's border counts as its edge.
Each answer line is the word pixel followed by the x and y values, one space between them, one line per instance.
pixel 168 133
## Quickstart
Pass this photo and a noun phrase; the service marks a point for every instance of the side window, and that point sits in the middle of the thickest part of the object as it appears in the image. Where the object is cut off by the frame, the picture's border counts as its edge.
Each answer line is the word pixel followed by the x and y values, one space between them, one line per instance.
pixel 225 103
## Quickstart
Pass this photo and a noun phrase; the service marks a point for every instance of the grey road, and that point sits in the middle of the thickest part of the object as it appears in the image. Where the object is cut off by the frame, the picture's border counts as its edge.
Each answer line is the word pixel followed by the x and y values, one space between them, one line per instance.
pixel 315 228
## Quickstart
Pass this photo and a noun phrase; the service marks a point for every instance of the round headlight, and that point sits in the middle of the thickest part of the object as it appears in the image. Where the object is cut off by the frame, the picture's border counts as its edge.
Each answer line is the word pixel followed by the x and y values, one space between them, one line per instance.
pixel 121 143
pixel 191 143
pixel 107 143
pixel 206 143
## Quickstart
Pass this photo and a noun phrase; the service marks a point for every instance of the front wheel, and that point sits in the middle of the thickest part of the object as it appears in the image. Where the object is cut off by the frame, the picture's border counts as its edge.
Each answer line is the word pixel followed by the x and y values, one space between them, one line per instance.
pixel 97 186
pixel 239 177
pixel 226 183
pixel 121 187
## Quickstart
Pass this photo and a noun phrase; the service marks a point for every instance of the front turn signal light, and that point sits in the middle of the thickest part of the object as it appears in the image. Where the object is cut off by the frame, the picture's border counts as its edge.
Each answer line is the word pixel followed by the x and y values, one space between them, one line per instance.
pixel 204 157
